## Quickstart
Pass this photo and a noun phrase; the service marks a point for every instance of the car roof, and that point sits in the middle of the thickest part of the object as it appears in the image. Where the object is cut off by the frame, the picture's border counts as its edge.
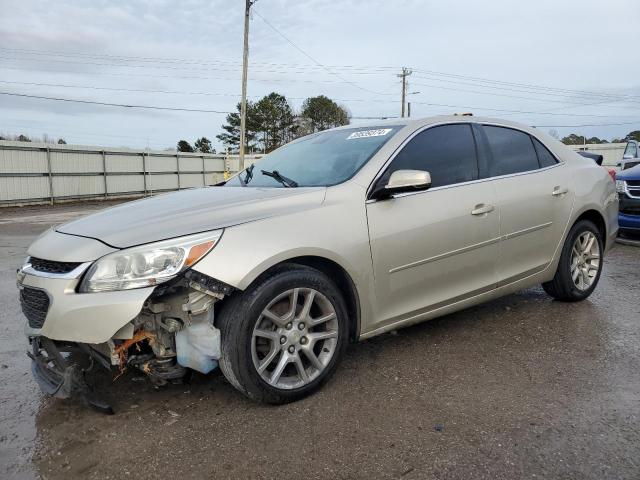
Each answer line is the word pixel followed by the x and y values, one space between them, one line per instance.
pixel 421 122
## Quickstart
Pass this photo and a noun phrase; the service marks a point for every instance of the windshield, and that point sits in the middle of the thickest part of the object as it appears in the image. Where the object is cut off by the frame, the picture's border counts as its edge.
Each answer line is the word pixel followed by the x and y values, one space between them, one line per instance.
pixel 630 151
pixel 322 159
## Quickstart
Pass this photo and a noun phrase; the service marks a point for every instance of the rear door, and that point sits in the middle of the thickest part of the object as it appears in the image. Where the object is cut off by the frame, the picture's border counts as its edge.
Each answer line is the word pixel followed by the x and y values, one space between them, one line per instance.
pixel 535 198
pixel 434 247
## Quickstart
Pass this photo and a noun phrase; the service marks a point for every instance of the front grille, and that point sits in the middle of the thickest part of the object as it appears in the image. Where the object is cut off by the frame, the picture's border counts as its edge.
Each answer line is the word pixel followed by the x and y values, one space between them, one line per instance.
pixel 50 266
pixel 634 192
pixel 633 183
pixel 35 304
pixel 629 210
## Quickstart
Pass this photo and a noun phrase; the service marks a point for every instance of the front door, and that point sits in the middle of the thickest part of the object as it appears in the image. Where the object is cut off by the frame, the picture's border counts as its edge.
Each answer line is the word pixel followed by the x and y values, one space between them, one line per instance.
pixel 434 247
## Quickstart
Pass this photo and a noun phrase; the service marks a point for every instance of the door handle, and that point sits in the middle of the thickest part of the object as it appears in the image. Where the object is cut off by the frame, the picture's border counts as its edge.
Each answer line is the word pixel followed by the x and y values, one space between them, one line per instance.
pixel 482 209
pixel 559 191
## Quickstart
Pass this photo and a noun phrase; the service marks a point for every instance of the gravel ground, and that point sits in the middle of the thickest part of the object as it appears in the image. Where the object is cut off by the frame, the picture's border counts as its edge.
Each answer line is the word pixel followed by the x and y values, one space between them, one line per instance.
pixel 521 387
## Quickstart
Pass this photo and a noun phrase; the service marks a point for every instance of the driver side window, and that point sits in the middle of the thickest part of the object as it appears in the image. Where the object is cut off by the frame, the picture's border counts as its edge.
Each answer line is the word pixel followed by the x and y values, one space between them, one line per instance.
pixel 447 152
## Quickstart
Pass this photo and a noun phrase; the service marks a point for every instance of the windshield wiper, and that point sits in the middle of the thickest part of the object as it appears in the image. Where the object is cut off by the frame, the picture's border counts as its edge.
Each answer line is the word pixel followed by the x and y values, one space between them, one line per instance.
pixel 287 182
pixel 248 175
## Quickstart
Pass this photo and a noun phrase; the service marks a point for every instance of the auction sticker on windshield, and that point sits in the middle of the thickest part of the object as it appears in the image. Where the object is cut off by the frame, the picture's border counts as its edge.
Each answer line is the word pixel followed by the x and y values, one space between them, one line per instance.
pixel 369 133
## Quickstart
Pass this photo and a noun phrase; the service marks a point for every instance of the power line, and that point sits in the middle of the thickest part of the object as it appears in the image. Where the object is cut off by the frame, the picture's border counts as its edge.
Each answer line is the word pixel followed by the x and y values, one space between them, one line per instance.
pixel 282 69
pixel 440 87
pixel 524 112
pixel 116 89
pixel 182 77
pixel 494 84
pixel 353 117
pixel 532 92
pixel 152 107
pixel 478 81
pixel 108 104
pixel 316 61
pixel 187 61
pixel 172 92
pixel 233 95
pixel 611 97
pixel 366 69
pixel 588 125
pixel 579 105
pixel 530 86
pixel 198 110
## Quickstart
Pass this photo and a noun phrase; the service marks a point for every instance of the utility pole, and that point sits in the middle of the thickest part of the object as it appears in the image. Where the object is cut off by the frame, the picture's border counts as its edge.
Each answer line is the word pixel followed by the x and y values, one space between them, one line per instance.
pixel 245 66
pixel 405 73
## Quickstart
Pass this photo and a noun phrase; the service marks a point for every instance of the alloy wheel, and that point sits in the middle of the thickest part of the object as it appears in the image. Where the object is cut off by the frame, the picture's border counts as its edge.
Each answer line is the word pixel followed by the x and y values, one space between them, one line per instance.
pixel 295 338
pixel 585 260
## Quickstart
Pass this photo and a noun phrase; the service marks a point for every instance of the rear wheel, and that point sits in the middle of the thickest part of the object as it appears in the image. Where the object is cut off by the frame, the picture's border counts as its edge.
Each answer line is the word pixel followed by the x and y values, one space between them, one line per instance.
pixel 580 264
pixel 283 337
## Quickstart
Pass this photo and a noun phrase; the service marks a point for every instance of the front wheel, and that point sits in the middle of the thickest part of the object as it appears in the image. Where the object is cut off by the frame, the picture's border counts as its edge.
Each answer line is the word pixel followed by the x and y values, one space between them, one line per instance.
pixel 580 264
pixel 283 337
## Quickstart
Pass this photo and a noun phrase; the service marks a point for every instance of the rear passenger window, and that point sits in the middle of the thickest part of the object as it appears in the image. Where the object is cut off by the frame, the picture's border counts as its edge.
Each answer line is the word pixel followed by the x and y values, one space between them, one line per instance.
pixel 512 151
pixel 447 152
pixel 545 157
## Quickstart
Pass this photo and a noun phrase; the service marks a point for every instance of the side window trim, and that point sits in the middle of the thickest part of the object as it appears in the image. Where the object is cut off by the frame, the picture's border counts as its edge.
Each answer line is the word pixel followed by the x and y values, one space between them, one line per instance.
pixel 381 173
pixel 489 152
pixel 476 148
pixel 482 151
pixel 485 156
pixel 537 141
pixel 535 149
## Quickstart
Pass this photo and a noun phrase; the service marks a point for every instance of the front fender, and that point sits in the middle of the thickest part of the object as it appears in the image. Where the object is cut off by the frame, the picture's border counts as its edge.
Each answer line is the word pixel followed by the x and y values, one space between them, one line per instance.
pixel 336 231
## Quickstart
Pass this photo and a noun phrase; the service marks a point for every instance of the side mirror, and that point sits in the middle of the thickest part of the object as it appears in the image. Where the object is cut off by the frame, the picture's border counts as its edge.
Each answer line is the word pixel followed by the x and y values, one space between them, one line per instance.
pixel 403 181
pixel 627 156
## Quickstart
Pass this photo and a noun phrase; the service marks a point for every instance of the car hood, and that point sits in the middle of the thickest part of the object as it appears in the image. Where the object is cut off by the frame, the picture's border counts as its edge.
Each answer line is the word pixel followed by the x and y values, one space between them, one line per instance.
pixel 190 211
pixel 630 174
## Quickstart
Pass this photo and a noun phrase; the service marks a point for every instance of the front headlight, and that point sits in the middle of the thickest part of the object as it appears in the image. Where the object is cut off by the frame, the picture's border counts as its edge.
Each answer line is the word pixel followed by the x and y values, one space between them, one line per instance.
pixel 147 265
pixel 620 186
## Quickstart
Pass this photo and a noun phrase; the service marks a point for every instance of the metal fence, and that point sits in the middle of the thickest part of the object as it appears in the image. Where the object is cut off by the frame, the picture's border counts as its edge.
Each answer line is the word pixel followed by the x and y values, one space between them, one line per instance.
pixel 40 173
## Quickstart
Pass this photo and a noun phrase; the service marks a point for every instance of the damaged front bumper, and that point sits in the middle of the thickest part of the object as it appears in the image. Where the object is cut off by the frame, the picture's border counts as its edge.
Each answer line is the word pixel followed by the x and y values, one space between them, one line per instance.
pixel 60 369
pixel 54 309
pixel 163 330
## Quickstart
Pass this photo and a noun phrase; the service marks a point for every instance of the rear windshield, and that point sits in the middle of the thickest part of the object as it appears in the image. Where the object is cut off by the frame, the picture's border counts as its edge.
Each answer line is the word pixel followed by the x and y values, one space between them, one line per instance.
pixel 321 159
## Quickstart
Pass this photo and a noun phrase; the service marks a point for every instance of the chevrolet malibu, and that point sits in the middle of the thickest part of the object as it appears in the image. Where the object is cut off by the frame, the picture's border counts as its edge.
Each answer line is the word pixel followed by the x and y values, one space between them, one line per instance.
pixel 336 237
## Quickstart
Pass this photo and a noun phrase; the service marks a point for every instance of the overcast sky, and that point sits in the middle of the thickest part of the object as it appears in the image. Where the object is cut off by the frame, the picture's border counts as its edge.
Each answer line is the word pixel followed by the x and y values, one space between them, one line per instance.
pixel 561 62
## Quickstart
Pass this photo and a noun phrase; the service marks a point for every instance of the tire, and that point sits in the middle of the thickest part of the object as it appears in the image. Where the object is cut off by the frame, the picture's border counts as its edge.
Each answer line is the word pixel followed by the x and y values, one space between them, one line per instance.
pixel 273 323
pixel 564 286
